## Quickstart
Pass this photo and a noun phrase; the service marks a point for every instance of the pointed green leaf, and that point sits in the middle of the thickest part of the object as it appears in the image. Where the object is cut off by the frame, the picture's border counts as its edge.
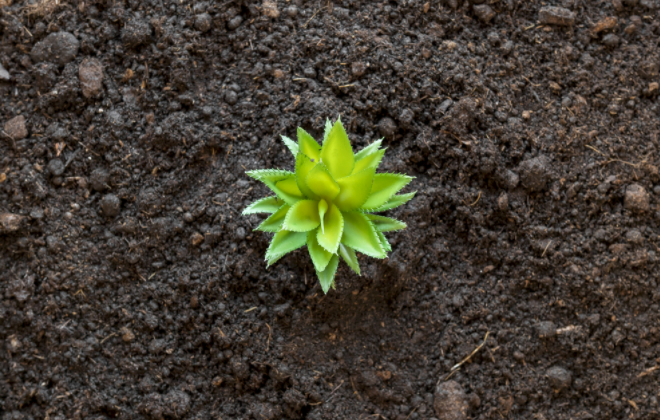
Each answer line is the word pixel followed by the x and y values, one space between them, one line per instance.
pixel 282 183
pixel 354 190
pixel 334 227
pixel 284 242
pixel 302 217
pixel 372 148
pixel 275 221
pixel 265 205
pixel 321 183
pixel 293 147
pixel 361 235
pixel 323 209
pixel 384 242
pixel 307 145
pixel 327 276
pixel 370 161
pixel 273 259
pixel 383 188
pixel 386 224
pixel 337 153
pixel 349 257
pixel 303 165
pixel 394 202
pixel 328 128
pixel 320 257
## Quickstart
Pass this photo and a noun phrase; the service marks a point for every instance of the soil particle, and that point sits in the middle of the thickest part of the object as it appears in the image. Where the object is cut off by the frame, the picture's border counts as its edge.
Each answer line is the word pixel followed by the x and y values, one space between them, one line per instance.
pixel 127 335
pixel 358 69
pixel 636 198
pixel 196 239
pixel 56 167
pixel 58 47
pixel 99 179
pixel 15 128
pixel 461 115
pixel 4 74
pixel 450 401
pixel 387 127
pixel 203 22
pixel 634 236
pixel 559 378
pixel 546 329
pixel 90 74
pixel 291 11
pixel 503 202
pixel 484 12
pixel 269 9
pixel 553 15
pixel 110 205
pixel 136 32
pixel 535 173
pixel 234 23
pixel 611 41
pixel 10 222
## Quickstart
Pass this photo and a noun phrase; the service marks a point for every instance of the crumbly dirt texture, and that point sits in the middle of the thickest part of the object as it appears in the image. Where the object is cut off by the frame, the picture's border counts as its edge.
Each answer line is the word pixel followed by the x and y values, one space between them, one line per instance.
pixel 131 287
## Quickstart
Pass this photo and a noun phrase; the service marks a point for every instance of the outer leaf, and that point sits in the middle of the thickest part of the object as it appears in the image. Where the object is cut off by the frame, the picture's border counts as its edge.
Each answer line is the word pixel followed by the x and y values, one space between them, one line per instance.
pixel 284 242
pixel 302 217
pixel 334 228
pixel 327 276
pixel 354 189
pixel 384 187
pixel 394 202
pixel 370 161
pixel 273 259
pixel 275 221
pixel 281 182
pixel 328 127
pixel 320 257
pixel 372 148
pixel 361 235
pixel 383 241
pixel 307 145
pixel 337 153
pixel 292 145
pixel 349 257
pixel 303 165
pixel 386 224
pixel 321 183
pixel 264 205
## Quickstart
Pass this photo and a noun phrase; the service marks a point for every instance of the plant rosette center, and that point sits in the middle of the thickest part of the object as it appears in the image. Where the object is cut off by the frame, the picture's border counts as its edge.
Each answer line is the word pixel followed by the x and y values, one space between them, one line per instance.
pixel 328 202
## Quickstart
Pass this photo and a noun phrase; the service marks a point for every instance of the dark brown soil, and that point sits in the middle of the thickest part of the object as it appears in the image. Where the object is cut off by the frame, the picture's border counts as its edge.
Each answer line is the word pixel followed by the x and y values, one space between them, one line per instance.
pixel 132 288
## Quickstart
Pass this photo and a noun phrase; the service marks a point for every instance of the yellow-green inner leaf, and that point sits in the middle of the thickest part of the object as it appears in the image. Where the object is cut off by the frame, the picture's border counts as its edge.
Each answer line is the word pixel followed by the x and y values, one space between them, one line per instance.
pixel 303 166
pixel 327 276
pixel 354 190
pixel 360 235
pixel 285 241
pixel 302 217
pixel 337 153
pixel 320 257
pixel 321 183
pixel 386 224
pixel 370 161
pixel 307 145
pixel 323 208
pixel 372 148
pixel 384 187
pixel 349 257
pixel 274 222
pixel 395 202
pixel 334 226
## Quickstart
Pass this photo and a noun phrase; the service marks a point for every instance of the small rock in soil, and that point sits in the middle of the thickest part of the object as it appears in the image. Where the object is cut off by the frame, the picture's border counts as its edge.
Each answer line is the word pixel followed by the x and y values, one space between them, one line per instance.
pixel 203 22
pixel 56 167
pixel 269 8
pixel 234 23
pixel 552 15
pixel 58 47
pixel 611 40
pixel 4 74
pixel 196 239
pixel 546 329
pixel 387 127
pixel 90 74
pixel 358 69
pixel 450 401
pixel 231 97
pixel 503 202
pixel 177 404
pixel 535 173
pixel 110 205
pixel 292 11
pixel 636 199
pixel 406 117
pixel 99 179
pixel 634 236
pixel 15 128
pixel 484 12
pixel 136 32
pixel 559 378
pixel 10 222
pixel 127 335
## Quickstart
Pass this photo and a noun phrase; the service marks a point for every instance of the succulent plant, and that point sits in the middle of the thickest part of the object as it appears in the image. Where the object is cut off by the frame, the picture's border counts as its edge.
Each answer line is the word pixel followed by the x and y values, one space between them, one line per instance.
pixel 329 202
